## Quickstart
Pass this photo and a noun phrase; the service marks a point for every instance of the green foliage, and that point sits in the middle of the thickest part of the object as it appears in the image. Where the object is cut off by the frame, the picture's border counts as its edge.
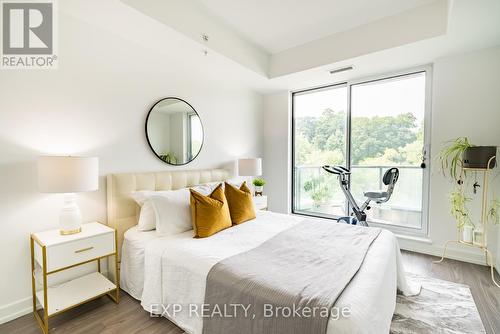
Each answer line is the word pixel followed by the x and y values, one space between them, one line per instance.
pixel 169 158
pixel 459 208
pixel 309 185
pixel 494 211
pixel 259 182
pixel 372 136
pixel 318 189
pixel 388 139
pixel 450 156
pixel 321 194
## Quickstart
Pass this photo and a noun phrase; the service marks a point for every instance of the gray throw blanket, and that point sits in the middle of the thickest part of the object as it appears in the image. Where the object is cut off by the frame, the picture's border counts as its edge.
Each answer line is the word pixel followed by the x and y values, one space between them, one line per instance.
pixel 288 284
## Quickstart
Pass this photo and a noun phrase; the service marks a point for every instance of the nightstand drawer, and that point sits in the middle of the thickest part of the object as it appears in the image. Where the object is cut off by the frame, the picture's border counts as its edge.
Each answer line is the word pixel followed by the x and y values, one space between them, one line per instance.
pixel 81 250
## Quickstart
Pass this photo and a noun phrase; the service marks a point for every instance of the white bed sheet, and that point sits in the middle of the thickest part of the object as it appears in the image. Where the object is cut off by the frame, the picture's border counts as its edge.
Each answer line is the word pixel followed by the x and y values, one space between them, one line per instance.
pixel 132 260
pixel 176 269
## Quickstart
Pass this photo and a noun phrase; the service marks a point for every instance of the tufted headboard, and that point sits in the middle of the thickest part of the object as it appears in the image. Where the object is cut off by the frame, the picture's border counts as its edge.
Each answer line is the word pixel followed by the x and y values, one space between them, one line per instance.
pixel 122 209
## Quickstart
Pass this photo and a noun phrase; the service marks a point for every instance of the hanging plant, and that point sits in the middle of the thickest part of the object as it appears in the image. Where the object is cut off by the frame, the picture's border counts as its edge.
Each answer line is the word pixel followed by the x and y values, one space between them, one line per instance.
pixel 451 155
pixel 459 208
pixel 494 211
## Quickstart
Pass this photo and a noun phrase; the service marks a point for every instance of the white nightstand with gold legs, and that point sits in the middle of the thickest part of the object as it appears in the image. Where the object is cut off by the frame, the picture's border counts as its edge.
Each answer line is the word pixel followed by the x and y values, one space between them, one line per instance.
pixel 54 252
pixel 260 202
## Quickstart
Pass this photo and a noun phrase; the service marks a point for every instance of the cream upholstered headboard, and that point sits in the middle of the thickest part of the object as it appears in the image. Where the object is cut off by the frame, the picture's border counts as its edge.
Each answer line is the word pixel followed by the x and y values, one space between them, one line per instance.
pixel 122 209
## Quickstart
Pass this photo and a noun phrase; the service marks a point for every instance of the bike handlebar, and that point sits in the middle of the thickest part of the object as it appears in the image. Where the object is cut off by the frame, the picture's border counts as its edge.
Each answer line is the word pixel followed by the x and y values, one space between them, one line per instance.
pixel 337 170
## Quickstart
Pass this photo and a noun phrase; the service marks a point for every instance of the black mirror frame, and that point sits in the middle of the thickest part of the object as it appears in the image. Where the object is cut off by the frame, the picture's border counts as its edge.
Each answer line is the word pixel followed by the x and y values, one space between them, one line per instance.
pixel 149 142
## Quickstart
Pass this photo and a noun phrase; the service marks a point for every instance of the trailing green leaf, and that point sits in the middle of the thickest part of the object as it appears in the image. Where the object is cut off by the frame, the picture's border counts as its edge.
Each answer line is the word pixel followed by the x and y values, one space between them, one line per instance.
pixel 494 211
pixel 459 208
pixel 450 157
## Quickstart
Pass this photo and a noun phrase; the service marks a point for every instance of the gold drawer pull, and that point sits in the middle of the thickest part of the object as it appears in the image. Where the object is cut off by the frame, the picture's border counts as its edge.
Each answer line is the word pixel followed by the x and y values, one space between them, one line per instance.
pixel 84 249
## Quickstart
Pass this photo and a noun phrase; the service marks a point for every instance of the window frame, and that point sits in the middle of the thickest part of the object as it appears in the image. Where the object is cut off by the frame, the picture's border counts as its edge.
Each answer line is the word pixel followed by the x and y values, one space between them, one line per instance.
pixel 427 69
pixel 189 135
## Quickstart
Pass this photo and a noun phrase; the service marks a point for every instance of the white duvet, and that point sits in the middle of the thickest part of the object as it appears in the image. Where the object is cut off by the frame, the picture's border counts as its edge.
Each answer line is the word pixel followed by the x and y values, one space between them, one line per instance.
pixel 176 268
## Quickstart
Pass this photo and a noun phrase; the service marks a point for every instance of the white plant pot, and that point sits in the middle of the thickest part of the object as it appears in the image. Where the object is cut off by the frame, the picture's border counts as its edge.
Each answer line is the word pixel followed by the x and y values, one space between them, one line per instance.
pixel 468 233
pixel 479 236
pixel 258 189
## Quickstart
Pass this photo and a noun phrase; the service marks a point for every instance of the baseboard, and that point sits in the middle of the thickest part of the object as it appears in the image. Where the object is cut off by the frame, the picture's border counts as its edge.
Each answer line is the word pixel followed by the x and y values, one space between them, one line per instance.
pixel 16 309
pixel 451 253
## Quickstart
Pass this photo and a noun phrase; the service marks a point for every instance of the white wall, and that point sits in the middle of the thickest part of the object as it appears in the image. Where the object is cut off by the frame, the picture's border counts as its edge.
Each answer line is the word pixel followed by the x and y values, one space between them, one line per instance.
pixel 95 104
pixel 276 161
pixel 466 102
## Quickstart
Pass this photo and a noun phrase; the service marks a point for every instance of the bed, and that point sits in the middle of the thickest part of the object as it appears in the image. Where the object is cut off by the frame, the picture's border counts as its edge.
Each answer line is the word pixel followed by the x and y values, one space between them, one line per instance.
pixel 173 270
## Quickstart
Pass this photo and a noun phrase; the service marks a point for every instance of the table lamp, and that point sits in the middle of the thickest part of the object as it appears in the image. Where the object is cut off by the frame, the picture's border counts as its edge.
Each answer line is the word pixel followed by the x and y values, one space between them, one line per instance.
pixel 250 167
pixel 69 175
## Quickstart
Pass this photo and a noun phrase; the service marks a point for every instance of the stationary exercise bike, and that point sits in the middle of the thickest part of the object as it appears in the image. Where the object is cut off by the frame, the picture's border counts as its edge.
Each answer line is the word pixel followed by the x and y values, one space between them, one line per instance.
pixel 380 196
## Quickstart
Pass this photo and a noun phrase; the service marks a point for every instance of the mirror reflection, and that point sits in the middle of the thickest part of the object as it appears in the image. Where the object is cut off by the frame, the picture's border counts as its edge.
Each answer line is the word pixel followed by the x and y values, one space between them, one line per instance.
pixel 174 131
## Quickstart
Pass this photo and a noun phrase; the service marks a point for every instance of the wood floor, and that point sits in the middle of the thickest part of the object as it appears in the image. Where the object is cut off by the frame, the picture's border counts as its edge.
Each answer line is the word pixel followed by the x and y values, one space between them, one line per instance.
pixel 104 316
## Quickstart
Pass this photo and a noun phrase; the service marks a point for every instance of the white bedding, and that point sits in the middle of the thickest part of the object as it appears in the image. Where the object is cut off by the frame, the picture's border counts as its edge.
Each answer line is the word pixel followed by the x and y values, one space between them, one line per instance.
pixel 176 268
pixel 132 260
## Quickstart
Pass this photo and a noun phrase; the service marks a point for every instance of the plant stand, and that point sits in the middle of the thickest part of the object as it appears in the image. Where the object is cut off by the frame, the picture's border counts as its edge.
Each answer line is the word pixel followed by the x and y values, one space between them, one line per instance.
pixel 483 243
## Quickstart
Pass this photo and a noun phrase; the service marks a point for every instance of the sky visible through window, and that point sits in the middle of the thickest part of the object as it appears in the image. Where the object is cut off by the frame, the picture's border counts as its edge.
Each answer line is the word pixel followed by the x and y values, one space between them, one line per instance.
pixel 381 98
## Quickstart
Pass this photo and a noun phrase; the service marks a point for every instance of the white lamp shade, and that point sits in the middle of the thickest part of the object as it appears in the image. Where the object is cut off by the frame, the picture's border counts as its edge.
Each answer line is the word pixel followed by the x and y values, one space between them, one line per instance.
pixel 250 167
pixel 67 174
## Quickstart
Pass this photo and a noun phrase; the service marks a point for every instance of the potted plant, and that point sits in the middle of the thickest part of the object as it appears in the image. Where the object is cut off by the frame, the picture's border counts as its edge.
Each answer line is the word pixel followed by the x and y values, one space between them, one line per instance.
pixel 458 154
pixel 258 186
pixel 480 157
pixel 461 153
pixel 451 156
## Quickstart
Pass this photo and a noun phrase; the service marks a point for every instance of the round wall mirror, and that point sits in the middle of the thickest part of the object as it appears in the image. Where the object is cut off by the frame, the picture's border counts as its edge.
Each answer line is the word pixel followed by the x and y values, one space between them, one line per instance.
pixel 174 131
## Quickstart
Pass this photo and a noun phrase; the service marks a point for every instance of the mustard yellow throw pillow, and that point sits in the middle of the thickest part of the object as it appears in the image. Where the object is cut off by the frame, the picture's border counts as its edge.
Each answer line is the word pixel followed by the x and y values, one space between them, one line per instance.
pixel 209 214
pixel 240 203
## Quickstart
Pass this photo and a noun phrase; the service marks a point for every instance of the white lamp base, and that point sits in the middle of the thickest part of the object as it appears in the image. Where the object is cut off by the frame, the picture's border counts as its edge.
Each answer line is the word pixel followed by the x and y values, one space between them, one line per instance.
pixel 70 218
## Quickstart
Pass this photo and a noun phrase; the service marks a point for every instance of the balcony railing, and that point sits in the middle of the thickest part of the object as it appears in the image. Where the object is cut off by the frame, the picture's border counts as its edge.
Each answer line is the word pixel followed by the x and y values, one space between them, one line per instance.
pixel 317 192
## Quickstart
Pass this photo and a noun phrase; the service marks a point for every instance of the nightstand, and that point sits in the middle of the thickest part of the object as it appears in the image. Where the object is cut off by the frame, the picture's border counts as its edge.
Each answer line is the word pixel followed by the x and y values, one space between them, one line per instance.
pixel 54 253
pixel 260 202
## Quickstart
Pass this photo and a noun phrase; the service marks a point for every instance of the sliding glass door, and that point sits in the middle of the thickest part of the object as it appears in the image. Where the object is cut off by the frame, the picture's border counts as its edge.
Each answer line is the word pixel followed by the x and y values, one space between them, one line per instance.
pixel 367 126
pixel 387 130
pixel 320 124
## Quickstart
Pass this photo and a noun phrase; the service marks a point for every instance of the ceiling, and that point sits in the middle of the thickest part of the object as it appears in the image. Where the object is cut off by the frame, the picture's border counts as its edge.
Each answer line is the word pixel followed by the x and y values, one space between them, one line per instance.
pixel 162 26
pixel 277 25
pixel 307 34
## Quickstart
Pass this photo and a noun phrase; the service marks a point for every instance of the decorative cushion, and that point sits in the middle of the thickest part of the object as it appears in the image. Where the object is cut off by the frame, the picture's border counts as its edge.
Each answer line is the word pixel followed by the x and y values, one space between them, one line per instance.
pixel 240 203
pixel 209 214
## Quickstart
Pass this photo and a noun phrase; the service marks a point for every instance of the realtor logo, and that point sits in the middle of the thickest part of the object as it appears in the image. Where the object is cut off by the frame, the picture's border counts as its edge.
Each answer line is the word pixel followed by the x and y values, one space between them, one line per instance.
pixel 28 35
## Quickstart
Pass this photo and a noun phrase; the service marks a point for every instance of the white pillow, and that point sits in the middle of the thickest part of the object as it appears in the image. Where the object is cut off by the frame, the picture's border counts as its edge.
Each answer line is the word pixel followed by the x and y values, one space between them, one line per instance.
pixel 172 212
pixel 237 182
pixel 147 218
pixel 167 211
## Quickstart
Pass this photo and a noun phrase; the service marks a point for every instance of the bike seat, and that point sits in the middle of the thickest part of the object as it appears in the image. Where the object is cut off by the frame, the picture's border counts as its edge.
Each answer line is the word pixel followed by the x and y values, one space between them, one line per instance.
pixel 376 194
